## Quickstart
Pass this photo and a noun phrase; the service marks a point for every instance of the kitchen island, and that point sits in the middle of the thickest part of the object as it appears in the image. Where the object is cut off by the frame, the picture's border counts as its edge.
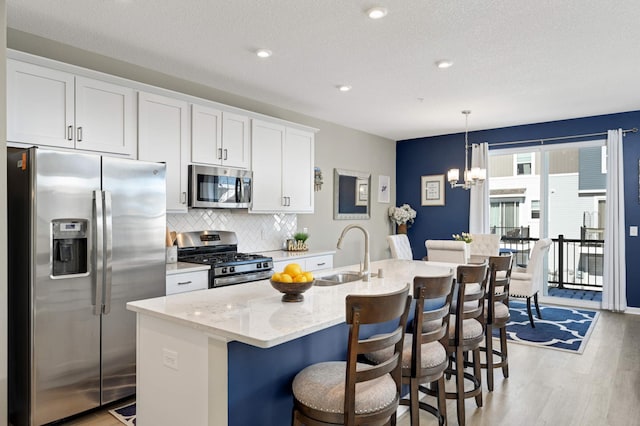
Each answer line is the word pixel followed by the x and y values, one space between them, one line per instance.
pixel 227 356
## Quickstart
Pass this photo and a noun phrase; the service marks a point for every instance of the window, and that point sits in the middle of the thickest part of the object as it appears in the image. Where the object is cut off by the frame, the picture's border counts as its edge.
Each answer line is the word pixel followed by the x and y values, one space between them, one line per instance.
pixel 524 163
pixel 535 209
pixel 504 216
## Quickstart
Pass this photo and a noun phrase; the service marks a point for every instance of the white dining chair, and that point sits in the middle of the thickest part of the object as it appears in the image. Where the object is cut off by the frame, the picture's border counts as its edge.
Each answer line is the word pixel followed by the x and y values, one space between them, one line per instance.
pixel 485 245
pixel 447 251
pixel 400 246
pixel 524 281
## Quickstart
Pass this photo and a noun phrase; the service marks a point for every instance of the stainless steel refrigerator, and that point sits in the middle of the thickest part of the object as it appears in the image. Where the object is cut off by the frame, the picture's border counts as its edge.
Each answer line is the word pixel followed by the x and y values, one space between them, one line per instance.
pixel 86 235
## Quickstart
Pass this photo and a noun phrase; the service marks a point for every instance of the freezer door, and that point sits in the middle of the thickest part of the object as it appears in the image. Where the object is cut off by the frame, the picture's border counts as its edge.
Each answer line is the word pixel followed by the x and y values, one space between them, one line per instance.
pixel 135 224
pixel 65 333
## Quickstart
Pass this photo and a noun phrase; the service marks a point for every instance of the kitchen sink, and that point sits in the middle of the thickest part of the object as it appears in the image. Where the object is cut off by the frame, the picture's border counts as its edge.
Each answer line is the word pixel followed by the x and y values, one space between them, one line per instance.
pixel 338 278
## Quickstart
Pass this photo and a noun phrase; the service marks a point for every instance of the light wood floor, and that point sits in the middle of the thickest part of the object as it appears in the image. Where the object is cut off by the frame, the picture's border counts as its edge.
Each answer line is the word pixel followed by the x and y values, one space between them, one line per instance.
pixel 601 387
pixel 100 417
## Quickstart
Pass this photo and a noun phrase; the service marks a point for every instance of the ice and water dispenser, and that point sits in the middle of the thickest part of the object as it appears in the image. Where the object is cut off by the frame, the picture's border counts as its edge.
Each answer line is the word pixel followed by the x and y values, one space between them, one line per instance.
pixel 70 255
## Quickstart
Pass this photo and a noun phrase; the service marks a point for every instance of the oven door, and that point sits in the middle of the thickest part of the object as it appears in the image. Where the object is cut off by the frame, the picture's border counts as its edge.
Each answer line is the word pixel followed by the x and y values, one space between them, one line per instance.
pixel 238 279
pixel 217 187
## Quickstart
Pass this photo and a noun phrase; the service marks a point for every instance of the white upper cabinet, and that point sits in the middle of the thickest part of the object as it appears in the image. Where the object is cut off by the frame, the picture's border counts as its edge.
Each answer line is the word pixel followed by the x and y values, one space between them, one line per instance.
pixel 163 136
pixel 206 135
pixel 267 142
pixel 282 165
pixel 235 140
pixel 297 174
pixel 56 108
pixel 219 138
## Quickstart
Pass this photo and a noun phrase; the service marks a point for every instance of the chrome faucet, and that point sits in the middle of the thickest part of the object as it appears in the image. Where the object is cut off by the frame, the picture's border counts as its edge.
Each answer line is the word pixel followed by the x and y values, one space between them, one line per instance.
pixel 366 275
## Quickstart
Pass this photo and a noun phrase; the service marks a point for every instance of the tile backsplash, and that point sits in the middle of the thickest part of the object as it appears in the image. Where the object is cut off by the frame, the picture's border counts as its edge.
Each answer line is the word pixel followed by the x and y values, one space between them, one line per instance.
pixel 256 232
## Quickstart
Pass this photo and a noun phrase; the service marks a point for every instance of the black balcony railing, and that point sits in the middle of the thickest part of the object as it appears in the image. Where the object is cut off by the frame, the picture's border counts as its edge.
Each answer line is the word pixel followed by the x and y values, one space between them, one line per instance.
pixel 511 231
pixel 573 263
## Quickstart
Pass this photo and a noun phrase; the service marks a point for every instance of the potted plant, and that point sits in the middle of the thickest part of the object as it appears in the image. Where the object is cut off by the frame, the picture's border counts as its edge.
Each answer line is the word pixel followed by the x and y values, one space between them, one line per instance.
pixel 299 242
pixel 300 236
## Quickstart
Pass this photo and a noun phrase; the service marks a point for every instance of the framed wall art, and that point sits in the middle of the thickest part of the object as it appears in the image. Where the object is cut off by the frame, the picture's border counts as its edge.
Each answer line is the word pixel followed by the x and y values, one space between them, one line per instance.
pixel 432 190
pixel 383 189
pixel 362 192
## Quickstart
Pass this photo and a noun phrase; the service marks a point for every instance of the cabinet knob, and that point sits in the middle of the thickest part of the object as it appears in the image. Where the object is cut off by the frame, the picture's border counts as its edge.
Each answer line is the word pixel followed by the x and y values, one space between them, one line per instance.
pixel 79 134
pixel 219 153
pixel 183 197
pixel 70 133
pixel 185 282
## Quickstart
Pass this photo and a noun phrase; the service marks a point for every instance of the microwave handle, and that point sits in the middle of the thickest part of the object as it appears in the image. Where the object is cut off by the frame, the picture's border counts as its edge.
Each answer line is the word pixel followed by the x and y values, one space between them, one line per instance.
pixel 238 190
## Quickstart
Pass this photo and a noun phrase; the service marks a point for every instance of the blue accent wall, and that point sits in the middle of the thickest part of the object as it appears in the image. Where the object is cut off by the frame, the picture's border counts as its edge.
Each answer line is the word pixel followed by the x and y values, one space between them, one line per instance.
pixel 435 155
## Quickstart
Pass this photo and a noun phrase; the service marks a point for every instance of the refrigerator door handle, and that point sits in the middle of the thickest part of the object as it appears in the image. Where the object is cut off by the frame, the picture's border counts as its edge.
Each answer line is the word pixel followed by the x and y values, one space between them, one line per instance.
pixel 108 250
pixel 99 257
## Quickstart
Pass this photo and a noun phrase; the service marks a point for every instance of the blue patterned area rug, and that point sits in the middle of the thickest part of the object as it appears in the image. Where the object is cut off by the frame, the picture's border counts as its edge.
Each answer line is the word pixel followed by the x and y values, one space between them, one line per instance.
pixel 126 414
pixel 565 329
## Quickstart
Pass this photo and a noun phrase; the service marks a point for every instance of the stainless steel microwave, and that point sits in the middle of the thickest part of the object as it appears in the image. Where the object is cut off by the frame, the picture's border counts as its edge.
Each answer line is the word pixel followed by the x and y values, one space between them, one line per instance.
pixel 219 187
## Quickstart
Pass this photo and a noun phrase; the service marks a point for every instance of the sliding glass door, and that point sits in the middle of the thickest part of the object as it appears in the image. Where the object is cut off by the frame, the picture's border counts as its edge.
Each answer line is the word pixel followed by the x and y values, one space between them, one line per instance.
pixel 556 191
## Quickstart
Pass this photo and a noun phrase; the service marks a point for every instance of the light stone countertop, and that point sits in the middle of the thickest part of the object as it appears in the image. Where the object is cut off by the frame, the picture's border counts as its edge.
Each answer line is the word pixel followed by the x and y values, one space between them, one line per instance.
pixel 182 267
pixel 253 313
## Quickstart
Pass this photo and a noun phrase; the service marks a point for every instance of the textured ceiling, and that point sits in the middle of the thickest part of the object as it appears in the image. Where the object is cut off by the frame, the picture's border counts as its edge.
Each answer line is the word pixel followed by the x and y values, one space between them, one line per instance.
pixel 515 61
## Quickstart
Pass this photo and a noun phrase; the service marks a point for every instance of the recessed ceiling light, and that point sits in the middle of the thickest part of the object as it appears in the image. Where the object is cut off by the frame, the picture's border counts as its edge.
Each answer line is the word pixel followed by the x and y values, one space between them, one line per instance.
pixel 444 63
pixel 377 12
pixel 344 88
pixel 264 53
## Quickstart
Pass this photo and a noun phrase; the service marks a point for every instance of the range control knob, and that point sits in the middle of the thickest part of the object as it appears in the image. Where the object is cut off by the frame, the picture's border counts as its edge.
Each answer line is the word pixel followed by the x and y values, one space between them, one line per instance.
pixel 232 269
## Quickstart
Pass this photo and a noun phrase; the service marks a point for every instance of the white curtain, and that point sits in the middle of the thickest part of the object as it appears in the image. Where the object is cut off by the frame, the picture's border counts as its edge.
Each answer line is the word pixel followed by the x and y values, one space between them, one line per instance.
pixel 614 294
pixel 479 205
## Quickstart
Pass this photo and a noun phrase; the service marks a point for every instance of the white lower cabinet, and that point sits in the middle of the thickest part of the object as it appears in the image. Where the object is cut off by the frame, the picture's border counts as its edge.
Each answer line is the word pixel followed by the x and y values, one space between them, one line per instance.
pixel 187 281
pixel 319 262
pixel 310 264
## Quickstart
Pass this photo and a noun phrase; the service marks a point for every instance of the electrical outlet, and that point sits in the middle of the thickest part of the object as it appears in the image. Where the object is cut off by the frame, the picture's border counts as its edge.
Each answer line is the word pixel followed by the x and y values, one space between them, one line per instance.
pixel 170 358
pixel 633 231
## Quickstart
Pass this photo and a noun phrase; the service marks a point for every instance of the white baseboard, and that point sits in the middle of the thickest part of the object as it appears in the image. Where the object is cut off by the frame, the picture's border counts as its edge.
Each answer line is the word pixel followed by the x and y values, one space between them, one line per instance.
pixel 632 311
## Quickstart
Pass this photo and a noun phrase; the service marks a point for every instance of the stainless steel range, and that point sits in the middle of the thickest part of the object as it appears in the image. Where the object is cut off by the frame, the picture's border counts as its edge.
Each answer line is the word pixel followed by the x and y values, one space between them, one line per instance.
pixel 220 250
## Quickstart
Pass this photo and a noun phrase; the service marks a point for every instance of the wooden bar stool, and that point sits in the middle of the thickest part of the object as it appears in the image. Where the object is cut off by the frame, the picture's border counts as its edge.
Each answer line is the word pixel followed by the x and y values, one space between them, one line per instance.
pixel 466 333
pixel 496 315
pixel 350 392
pixel 424 358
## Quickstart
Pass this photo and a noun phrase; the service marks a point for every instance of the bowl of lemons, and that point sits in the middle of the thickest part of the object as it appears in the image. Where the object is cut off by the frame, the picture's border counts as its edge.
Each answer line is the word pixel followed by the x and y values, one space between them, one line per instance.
pixel 292 281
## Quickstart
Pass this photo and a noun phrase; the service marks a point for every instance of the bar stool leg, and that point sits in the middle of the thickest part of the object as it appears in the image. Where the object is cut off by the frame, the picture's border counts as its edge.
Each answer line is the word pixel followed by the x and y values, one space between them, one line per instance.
pixel 503 350
pixel 414 405
pixel 460 385
pixel 442 398
pixel 477 372
pixel 489 347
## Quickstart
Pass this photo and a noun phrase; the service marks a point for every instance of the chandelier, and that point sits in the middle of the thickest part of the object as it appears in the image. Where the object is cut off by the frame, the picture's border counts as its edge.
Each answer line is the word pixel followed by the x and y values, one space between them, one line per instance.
pixel 473 176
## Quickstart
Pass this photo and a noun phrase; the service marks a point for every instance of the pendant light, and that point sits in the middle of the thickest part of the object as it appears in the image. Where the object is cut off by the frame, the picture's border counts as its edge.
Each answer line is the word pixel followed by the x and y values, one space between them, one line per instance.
pixel 473 176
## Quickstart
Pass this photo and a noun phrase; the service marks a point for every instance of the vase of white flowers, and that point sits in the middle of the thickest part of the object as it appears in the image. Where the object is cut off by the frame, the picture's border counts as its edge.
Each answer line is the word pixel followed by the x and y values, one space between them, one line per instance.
pixel 402 216
pixel 466 237
pixel 463 236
